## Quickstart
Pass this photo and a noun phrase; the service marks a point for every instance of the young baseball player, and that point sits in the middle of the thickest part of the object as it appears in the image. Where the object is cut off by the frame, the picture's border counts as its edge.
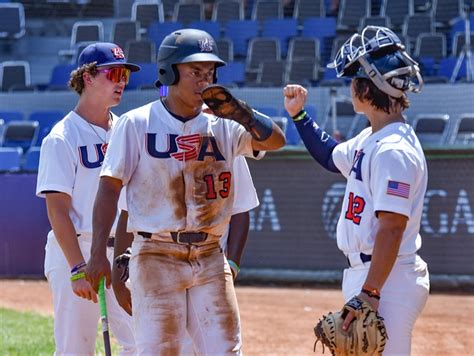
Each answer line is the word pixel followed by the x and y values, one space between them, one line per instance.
pixel 176 164
pixel 68 177
pixel 386 172
pixel 232 241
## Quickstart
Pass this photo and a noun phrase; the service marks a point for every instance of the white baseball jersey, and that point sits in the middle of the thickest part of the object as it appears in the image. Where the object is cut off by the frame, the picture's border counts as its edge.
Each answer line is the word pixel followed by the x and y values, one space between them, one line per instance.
pixel 70 161
pixel 178 174
pixel 385 171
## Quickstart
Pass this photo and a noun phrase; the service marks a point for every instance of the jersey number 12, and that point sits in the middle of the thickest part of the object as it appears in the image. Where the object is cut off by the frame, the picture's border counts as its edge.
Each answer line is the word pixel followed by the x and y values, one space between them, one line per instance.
pixel 355 207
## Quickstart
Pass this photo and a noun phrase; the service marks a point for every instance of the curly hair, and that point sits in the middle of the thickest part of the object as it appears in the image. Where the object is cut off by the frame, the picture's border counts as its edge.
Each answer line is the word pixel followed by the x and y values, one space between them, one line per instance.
pixel 76 82
pixel 365 90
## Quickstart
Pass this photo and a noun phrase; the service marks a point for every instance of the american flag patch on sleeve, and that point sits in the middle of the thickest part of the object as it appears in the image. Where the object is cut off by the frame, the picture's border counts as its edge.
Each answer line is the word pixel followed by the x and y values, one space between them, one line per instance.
pixel 398 189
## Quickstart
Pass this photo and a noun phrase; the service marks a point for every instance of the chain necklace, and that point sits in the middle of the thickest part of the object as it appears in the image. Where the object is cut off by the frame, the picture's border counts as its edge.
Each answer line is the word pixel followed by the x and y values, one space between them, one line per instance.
pixel 104 145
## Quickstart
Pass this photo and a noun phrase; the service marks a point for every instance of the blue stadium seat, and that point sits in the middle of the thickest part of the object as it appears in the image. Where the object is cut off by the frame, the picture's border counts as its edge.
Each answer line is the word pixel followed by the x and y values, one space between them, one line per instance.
pixel 60 76
pixel 10 159
pixel 240 32
pixel 144 78
pixel 31 161
pixel 211 27
pixel 232 73
pixel 447 65
pixel 46 120
pixel 319 27
pixel 283 29
pixel 20 134
pixel 8 116
pixel 157 31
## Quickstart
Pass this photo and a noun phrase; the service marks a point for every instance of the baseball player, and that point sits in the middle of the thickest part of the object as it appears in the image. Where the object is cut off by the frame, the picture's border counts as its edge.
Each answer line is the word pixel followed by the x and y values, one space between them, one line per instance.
pixel 232 241
pixel 176 164
pixel 386 172
pixel 68 177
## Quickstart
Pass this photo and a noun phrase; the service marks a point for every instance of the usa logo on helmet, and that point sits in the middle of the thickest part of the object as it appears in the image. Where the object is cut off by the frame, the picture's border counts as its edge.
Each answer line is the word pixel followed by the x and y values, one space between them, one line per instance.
pixel 206 45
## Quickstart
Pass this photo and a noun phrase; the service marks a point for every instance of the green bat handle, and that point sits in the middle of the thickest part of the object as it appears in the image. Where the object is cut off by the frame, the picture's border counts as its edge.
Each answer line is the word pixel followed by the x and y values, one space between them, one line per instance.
pixel 103 317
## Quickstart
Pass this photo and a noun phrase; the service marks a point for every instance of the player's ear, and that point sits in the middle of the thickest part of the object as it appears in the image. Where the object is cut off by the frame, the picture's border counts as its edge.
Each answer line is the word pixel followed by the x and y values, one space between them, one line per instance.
pixel 87 77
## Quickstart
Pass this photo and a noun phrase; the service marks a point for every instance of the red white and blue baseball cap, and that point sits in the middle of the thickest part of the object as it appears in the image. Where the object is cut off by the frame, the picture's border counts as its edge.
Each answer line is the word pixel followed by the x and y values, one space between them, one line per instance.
pixel 105 54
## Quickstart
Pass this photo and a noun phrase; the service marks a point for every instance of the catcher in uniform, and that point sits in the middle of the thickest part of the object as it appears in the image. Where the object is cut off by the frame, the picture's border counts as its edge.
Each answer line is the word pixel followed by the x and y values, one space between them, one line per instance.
pixel 176 164
pixel 68 177
pixel 378 229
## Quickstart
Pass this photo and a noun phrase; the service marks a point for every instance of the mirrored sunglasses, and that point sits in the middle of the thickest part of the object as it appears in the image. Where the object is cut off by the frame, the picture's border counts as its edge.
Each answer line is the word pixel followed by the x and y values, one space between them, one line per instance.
pixel 116 74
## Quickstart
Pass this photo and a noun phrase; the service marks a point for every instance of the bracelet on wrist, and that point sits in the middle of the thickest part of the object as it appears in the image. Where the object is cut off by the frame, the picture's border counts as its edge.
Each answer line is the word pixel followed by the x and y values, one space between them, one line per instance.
pixel 78 275
pixel 77 267
pixel 234 266
pixel 300 116
pixel 371 291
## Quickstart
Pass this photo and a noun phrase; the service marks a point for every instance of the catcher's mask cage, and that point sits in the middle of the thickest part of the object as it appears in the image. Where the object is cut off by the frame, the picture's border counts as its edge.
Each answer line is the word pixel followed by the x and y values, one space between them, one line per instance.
pixel 378 54
pixel 184 46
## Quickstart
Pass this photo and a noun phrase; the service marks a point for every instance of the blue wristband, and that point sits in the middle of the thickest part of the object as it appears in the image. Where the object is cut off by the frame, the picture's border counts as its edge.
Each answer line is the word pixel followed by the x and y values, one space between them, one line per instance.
pixel 234 266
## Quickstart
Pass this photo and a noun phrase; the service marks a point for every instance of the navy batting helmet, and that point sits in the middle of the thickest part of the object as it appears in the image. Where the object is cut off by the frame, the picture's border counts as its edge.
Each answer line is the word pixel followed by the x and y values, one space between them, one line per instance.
pixel 378 54
pixel 184 46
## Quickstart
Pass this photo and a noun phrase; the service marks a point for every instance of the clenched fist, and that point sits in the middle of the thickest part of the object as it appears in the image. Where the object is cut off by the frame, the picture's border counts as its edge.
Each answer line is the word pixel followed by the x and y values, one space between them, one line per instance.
pixel 295 98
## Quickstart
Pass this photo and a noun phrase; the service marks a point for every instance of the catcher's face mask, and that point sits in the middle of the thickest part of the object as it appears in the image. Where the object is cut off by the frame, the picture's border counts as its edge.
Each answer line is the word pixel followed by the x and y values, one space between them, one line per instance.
pixel 378 54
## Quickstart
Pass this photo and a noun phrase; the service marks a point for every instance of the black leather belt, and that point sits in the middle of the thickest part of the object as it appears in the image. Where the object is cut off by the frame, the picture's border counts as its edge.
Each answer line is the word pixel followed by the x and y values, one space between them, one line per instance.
pixel 181 237
pixel 363 257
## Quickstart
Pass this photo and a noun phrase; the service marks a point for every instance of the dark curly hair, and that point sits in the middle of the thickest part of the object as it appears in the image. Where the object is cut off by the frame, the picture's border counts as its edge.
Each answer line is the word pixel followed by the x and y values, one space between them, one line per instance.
pixel 76 82
pixel 366 90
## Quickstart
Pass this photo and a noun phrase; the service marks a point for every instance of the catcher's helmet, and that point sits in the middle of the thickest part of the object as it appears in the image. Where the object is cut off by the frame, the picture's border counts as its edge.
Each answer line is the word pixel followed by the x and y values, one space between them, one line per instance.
pixel 378 54
pixel 184 46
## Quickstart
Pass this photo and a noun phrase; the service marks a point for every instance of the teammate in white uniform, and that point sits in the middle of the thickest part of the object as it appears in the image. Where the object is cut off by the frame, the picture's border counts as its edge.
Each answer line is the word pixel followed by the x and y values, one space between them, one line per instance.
pixel 68 177
pixel 386 172
pixel 176 164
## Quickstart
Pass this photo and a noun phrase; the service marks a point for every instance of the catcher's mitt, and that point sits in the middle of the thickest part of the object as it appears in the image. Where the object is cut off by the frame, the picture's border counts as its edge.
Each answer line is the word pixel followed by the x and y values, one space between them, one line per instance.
pixel 122 262
pixel 366 334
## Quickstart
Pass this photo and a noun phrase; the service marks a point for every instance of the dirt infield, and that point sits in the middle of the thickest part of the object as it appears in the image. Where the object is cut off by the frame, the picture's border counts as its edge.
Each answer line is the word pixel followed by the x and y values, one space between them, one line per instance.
pixel 279 321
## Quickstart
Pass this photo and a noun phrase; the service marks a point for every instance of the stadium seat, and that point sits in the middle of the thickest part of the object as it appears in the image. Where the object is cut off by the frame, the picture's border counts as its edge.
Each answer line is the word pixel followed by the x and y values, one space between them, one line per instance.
pixel 10 159
pixel 431 129
pixel 188 12
pixel 283 29
pixel 397 11
pixel 447 66
pixel 144 78
pixel 350 13
pixel 304 48
pixel 146 13
pixel 303 71
pixel 374 21
pixel 267 9
pixel 8 116
pixel 291 134
pixel 463 131
pixel 141 51
pixel 260 50
pixel 226 10
pixel 21 134
pixel 12 21
pixel 225 47
pixel 211 27
pixel 60 76
pixel 416 24
pixel 240 32
pixel 158 31
pixel 271 73
pixel 459 41
pixel 345 116
pixel 46 120
pixel 31 160
pixel 444 11
pixel 14 75
pixel 231 74
pixel 304 9
pixel 123 31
